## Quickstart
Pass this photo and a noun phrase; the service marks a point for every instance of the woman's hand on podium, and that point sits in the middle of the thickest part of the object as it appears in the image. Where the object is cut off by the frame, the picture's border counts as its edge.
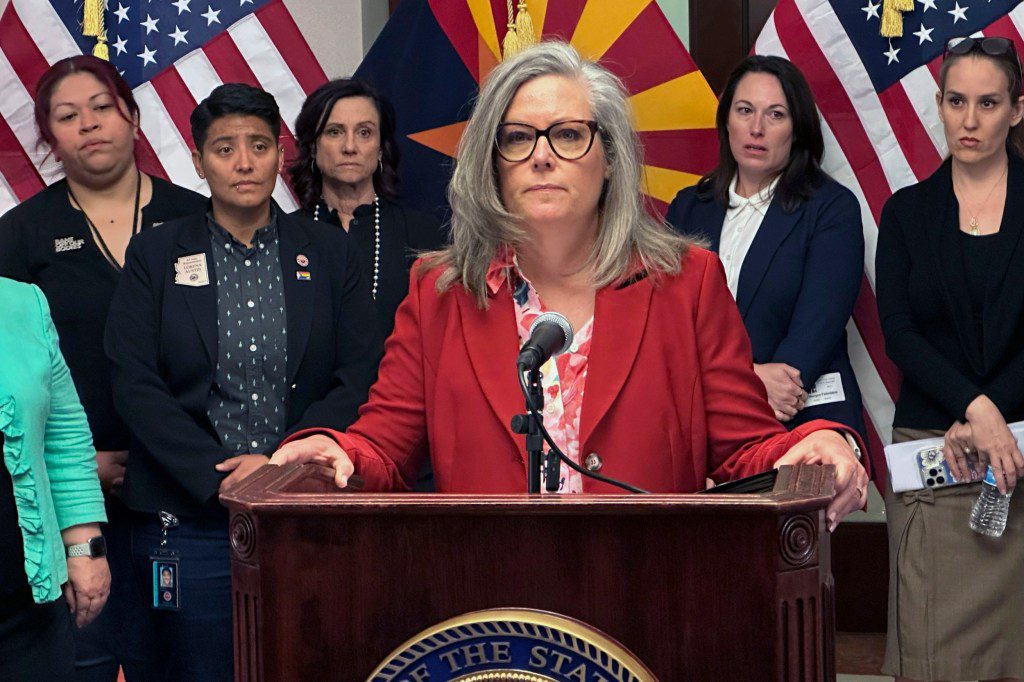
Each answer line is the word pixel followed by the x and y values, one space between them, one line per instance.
pixel 830 447
pixel 320 449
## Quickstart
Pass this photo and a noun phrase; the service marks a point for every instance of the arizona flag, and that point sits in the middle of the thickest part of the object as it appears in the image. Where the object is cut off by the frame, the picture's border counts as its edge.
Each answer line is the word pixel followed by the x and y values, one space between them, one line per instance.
pixel 432 54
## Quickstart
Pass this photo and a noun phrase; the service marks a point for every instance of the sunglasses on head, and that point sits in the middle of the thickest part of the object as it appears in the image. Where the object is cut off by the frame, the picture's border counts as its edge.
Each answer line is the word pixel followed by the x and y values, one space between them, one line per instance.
pixel 992 46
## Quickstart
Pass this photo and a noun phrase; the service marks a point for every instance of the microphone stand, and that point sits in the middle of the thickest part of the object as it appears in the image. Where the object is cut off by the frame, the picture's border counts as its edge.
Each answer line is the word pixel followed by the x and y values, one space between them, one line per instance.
pixel 529 425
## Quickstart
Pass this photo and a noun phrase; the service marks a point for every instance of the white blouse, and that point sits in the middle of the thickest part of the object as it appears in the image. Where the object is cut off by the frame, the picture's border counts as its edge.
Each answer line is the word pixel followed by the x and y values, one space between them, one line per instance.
pixel 742 221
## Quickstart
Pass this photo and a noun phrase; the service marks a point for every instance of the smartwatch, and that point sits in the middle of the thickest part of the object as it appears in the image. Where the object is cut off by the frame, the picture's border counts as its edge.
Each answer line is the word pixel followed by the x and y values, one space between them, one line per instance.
pixel 94 548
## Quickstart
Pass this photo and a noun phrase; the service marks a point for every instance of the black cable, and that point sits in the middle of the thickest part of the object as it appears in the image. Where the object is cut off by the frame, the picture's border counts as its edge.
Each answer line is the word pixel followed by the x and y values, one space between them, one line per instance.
pixel 561 455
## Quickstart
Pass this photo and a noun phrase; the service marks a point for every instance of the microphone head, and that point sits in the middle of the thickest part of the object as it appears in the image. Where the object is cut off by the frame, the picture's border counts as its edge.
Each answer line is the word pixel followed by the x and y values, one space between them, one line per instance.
pixel 561 322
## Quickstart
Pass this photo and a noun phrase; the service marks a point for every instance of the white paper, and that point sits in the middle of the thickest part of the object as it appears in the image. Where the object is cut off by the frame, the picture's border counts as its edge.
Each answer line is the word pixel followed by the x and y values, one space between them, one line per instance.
pixel 190 271
pixel 827 389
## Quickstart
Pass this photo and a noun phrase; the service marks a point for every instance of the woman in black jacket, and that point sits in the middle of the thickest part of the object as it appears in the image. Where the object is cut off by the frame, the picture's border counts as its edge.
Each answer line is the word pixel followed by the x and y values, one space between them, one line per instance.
pixel 950 287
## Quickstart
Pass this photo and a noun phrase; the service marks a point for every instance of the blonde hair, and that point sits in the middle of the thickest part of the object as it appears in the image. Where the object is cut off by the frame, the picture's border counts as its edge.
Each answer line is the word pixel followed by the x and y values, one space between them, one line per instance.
pixel 628 236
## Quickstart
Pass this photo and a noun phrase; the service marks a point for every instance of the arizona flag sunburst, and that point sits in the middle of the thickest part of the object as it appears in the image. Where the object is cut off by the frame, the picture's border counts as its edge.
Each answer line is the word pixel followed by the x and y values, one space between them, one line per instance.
pixel 432 55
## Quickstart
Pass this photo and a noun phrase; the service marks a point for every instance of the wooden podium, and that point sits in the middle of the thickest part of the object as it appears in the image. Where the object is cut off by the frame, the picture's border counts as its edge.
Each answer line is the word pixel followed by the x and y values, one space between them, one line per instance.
pixel 327 583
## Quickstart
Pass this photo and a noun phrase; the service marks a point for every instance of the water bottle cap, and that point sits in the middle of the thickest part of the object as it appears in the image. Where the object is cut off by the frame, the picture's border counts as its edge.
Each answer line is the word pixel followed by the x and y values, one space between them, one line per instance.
pixel 990 476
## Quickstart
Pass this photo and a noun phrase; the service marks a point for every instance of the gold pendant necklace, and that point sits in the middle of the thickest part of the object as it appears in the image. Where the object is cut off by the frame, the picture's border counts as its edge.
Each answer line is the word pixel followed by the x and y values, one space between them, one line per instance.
pixel 974 228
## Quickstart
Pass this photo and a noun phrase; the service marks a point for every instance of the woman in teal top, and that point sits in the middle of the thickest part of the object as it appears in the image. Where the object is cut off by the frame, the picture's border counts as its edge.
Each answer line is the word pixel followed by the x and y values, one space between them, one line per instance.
pixel 51 551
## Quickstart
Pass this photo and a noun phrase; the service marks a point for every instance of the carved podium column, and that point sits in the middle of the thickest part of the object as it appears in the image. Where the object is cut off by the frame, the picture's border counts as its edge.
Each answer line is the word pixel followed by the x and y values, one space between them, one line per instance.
pixel 328 585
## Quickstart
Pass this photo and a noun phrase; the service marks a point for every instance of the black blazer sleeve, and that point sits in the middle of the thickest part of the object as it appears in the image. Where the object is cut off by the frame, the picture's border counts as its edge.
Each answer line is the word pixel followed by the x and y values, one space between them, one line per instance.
pixel 14 256
pixel 178 445
pixel 358 348
pixel 905 344
pixel 832 274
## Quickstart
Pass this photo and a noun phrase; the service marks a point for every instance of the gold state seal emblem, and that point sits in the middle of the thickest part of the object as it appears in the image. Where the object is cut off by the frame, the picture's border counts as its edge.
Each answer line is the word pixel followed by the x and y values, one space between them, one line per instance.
pixel 512 645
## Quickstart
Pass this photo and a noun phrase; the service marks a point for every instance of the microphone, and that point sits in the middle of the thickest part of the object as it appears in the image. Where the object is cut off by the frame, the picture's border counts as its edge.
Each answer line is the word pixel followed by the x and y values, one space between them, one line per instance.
pixel 550 335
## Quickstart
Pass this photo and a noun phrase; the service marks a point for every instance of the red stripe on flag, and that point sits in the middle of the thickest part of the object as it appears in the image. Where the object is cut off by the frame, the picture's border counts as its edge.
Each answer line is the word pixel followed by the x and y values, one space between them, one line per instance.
pixel 913 139
pixel 291 44
pixel 456 21
pixel 231 67
pixel 876 454
pixel 865 316
pixel 177 100
pixel 1004 27
pixel 631 58
pixel 15 166
pixel 934 66
pixel 834 104
pixel 691 151
pixel 147 159
pixel 21 51
pixel 563 16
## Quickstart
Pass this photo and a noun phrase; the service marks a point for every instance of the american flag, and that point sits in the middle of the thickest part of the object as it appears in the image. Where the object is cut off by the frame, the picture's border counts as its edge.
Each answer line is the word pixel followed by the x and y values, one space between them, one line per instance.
pixel 172 54
pixel 876 97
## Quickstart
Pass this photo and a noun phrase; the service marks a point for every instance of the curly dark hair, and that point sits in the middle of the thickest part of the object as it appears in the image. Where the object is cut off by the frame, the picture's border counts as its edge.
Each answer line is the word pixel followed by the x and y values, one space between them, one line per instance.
pixel 305 176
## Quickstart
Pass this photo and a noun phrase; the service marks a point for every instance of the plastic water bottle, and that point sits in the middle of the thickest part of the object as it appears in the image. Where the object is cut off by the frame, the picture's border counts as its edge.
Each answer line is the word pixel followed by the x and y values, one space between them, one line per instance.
pixel 989 514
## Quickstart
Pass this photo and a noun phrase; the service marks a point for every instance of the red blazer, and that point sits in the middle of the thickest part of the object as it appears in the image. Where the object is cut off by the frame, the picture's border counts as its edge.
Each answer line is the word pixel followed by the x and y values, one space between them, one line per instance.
pixel 671 396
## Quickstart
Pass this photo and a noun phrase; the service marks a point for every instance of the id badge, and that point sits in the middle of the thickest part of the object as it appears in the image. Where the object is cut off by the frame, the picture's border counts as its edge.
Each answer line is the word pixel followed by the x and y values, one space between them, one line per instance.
pixel 166 579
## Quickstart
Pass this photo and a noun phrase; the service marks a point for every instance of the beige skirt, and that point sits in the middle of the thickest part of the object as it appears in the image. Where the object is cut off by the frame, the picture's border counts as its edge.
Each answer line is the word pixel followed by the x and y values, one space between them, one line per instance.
pixel 956 598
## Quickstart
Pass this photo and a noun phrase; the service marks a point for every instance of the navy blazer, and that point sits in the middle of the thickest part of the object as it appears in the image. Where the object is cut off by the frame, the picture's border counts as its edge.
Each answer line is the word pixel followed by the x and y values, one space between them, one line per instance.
pixel 797 286
pixel 162 339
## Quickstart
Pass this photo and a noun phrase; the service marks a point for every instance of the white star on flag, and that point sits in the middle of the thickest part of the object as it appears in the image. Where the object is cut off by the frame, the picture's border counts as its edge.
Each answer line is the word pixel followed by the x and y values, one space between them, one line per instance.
pixel 211 15
pixel 179 36
pixel 150 24
pixel 924 34
pixel 147 56
pixel 928 4
pixel 958 13
pixel 892 54
pixel 121 45
pixel 121 12
pixel 182 5
pixel 871 10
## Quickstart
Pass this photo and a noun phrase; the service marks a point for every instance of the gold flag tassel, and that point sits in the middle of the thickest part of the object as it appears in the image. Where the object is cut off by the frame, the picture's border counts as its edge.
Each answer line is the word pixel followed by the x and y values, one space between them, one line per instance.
pixel 92 25
pixel 520 33
pixel 510 45
pixel 892 17
pixel 524 27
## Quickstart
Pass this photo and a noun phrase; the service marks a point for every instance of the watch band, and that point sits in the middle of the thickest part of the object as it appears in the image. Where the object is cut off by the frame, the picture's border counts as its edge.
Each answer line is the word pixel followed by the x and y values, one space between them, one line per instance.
pixel 81 549
pixel 853 444
pixel 93 547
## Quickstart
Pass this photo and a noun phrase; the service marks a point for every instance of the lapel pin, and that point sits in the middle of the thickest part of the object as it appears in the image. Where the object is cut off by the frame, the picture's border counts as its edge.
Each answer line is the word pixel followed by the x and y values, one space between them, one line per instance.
pixel 302 275
pixel 302 260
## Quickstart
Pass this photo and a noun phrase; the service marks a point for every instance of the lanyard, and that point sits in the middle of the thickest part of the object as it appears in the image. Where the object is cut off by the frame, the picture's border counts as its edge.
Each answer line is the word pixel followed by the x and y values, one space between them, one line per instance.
pixel 104 249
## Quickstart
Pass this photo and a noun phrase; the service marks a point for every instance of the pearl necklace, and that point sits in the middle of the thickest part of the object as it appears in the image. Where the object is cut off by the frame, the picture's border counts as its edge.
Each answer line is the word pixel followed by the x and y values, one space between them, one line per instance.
pixel 376 240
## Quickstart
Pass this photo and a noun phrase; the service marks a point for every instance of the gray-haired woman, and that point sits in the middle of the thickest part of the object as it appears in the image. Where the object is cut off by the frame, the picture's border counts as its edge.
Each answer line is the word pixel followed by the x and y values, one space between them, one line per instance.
pixel 657 388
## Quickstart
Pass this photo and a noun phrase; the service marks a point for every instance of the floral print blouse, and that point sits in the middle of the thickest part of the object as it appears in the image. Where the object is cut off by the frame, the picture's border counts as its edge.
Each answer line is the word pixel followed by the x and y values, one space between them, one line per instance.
pixel 563 377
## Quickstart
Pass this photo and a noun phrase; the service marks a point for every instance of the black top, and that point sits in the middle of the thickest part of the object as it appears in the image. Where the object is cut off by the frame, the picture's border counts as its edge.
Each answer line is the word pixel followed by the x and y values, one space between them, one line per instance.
pixel 979 254
pixel 403 233
pixel 246 404
pixel 925 304
pixel 12 549
pixel 46 241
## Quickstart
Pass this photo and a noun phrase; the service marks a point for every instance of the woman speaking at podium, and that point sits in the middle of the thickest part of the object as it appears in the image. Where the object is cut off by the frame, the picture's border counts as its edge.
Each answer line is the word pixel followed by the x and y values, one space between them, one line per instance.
pixel 657 388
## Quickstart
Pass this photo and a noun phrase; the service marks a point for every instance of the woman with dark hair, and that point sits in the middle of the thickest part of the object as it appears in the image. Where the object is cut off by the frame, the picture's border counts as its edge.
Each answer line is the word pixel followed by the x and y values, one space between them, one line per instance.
pixel 70 241
pixel 790 239
pixel 950 286
pixel 346 173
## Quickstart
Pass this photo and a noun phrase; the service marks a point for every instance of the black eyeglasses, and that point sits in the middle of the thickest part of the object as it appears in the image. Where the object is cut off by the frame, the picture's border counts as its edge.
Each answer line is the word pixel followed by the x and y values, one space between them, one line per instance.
pixel 569 140
pixel 992 46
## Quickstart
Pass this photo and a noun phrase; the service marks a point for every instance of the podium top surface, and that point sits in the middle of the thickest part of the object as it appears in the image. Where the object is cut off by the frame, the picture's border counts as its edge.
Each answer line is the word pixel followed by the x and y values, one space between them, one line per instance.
pixel 310 488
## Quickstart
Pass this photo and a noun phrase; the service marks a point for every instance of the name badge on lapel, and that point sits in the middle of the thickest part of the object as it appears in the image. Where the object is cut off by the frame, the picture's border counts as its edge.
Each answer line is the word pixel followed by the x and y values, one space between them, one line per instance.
pixel 191 271
pixel 63 244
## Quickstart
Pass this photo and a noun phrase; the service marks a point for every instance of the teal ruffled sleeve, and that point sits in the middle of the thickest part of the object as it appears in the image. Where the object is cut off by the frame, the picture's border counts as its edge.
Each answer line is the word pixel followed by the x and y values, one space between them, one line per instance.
pixel 47 444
